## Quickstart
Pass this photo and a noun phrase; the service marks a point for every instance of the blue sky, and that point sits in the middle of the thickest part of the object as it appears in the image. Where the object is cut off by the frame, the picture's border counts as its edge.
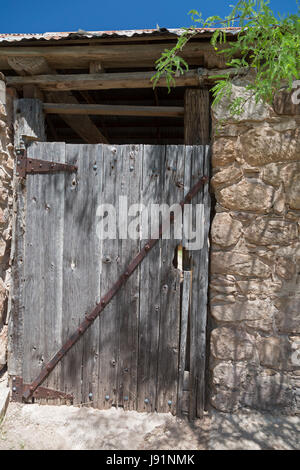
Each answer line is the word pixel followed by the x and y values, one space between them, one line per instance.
pixel 39 16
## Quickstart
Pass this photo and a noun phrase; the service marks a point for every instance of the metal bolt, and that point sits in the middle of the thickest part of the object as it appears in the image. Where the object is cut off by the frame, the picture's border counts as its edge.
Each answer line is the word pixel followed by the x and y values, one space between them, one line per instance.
pixel 14 389
pixel 106 397
pixel 90 395
pixel 18 152
pixel 17 173
pixel 14 379
pixel 146 401
pixel 169 402
pixel 18 162
pixel 131 168
pixel 95 167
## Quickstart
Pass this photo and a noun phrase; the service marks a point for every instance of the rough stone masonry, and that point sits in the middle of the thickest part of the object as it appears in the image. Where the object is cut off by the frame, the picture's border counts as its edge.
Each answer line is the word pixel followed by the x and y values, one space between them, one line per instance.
pixel 6 201
pixel 255 257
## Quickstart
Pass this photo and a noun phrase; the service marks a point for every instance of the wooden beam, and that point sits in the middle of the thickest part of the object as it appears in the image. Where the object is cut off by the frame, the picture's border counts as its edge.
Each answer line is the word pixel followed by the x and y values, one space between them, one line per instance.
pixel 109 81
pixel 196 117
pixel 83 126
pixel 106 52
pixel 105 81
pixel 113 110
pixel 111 56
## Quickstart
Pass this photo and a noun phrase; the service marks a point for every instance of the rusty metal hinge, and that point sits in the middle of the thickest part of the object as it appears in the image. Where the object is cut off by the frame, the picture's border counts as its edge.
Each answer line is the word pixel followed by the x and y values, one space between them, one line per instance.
pixel 19 388
pixel 105 300
pixel 26 165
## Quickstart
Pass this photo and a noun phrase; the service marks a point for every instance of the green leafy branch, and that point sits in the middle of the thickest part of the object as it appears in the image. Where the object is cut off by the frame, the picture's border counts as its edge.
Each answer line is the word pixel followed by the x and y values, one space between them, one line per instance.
pixel 267 43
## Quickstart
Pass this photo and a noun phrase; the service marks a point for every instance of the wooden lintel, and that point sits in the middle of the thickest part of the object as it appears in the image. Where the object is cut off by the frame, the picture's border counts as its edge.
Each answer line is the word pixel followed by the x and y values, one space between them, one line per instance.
pixel 107 52
pixel 108 81
pixel 113 110
pixel 104 81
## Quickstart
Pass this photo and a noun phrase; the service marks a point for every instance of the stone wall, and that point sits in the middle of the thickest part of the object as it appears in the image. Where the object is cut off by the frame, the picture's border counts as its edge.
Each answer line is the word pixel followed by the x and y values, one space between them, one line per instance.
pixel 255 259
pixel 6 173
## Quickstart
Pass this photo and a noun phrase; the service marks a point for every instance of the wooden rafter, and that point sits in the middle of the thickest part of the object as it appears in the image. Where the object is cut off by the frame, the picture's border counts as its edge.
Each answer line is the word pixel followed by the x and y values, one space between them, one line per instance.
pixel 82 125
pixel 113 110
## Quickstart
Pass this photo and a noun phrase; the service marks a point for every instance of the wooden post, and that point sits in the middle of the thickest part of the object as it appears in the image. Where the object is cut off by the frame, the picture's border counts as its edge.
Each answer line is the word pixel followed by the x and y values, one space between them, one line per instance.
pixel 197 132
pixel 196 116
pixel 28 127
pixel 29 122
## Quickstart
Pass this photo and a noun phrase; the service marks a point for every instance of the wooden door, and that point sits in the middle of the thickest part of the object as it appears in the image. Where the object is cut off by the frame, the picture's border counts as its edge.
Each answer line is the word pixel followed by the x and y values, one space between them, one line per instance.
pixel 132 354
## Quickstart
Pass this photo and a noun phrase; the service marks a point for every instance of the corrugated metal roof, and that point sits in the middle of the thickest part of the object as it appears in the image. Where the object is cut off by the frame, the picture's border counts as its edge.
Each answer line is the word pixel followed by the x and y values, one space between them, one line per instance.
pixel 80 34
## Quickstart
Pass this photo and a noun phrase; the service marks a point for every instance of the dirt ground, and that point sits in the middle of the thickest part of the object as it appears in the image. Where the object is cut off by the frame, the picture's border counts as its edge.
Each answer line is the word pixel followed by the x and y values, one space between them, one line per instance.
pixel 67 427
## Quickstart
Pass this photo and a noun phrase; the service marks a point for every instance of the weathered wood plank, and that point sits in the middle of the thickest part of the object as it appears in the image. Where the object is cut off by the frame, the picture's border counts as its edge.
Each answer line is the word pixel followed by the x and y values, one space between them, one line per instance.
pixel 167 377
pixel 185 303
pixel 150 279
pixel 28 123
pixel 200 301
pixel 106 53
pixel 43 264
pixel 89 263
pixel 81 271
pixel 111 269
pixel 196 116
pixel 104 81
pixel 197 171
pixel 109 81
pixel 128 300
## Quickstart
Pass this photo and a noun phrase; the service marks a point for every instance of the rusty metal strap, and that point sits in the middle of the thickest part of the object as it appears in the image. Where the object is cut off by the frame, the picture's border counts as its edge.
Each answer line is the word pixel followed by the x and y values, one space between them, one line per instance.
pixel 27 165
pixel 19 387
pixel 104 301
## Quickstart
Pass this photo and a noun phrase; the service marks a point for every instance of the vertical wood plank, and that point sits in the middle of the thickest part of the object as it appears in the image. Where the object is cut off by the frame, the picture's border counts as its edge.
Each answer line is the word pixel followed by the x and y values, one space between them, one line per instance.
pixel 29 120
pixel 197 171
pixel 80 268
pixel 89 244
pixel 28 126
pixel 16 297
pixel 202 291
pixel 172 193
pixel 43 264
pixel 150 283
pixel 185 303
pixel 110 271
pixel 128 299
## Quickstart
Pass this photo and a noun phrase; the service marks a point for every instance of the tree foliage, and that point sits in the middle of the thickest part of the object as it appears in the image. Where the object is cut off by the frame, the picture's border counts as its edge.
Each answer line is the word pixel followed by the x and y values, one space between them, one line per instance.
pixel 266 42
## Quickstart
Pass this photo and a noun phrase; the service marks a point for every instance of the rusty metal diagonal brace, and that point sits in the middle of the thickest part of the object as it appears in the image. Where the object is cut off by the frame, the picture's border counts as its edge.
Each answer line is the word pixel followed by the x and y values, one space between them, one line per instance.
pixel 105 300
